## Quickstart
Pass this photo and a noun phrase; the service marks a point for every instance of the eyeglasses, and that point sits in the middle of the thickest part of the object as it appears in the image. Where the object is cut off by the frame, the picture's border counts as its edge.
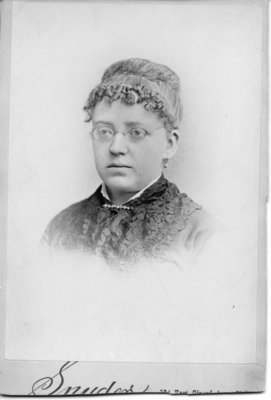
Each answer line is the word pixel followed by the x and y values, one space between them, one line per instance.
pixel 105 133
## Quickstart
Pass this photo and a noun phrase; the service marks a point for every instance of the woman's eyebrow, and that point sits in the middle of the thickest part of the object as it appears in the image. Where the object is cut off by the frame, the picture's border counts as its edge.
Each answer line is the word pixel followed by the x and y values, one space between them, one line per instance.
pixel 133 123
pixel 103 122
pixel 129 124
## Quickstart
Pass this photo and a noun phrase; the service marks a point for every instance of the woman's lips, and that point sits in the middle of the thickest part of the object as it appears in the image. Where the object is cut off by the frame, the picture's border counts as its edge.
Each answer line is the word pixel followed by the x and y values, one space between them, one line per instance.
pixel 118 166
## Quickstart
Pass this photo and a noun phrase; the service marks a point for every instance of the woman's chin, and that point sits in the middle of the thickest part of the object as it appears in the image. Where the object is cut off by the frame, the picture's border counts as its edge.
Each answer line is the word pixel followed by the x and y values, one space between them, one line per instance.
pixel 121 183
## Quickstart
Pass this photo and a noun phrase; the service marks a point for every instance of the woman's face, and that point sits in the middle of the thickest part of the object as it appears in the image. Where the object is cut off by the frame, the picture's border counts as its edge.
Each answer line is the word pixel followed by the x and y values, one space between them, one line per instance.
pixel 126 166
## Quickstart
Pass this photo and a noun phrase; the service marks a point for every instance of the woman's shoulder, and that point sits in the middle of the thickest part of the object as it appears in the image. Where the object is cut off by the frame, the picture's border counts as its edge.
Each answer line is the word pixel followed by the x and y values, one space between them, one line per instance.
pixel 74 211
pixel 197 224
pixel 69 221
pixel 199 227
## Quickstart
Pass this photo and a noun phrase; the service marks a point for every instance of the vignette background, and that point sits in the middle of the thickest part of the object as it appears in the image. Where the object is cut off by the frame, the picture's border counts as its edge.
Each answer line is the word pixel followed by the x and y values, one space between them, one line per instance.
pixel 59 53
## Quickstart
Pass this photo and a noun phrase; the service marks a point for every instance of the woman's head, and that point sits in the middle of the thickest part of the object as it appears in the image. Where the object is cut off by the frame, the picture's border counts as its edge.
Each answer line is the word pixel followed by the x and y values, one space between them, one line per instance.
pixel 139 81
pixel 135 112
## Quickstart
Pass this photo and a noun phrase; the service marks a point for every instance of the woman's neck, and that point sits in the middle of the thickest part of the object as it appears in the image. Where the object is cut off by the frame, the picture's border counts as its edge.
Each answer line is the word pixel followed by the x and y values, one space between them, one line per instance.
pixel 120 197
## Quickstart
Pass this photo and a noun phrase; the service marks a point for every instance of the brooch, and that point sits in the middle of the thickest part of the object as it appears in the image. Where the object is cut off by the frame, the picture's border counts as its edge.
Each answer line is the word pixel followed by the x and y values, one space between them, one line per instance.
pixel 113 206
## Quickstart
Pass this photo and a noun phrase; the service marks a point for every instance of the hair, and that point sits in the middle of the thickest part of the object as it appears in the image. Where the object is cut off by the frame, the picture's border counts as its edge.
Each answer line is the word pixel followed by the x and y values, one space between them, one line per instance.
pixel 137 80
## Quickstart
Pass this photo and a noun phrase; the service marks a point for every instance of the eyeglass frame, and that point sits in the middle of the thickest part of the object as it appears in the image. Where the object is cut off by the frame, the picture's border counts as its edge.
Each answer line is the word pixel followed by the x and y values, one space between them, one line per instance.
pixel 147 133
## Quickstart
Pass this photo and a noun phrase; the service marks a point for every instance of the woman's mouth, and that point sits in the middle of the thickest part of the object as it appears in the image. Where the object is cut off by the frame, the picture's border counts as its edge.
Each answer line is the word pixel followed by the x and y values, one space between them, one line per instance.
pixel 118 166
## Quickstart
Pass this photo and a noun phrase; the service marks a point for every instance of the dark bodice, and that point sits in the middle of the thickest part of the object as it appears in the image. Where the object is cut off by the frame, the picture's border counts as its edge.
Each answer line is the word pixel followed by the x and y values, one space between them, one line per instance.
pixel 159 220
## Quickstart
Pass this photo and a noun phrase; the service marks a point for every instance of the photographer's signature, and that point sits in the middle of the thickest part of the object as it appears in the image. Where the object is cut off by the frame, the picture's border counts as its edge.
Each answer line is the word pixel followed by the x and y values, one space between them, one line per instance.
pixel 55 385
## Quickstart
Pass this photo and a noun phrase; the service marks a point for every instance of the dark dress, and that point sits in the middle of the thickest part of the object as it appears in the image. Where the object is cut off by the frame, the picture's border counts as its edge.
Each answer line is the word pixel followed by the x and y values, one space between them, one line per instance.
pixel 150 226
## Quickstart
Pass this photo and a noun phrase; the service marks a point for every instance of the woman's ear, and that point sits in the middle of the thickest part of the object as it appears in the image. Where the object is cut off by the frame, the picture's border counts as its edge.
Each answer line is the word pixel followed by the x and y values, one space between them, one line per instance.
pixel 172 143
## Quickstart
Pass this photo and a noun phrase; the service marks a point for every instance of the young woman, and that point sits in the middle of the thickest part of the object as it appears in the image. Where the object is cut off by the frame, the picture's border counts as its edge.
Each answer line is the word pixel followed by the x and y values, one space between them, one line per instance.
pixel 136 213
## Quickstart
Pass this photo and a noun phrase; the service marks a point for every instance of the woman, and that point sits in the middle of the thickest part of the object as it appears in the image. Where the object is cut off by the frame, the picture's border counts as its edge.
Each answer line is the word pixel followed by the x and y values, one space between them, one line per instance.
pixel 136 213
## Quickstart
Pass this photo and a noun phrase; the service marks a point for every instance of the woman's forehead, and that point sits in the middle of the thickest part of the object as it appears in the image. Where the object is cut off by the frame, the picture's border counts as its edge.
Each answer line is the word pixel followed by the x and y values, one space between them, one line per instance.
pixel 119 112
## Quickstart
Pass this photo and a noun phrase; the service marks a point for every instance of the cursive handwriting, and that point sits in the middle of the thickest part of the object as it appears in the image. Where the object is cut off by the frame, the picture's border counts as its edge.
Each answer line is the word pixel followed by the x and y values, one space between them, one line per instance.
pixel 56 386
pixel 49 386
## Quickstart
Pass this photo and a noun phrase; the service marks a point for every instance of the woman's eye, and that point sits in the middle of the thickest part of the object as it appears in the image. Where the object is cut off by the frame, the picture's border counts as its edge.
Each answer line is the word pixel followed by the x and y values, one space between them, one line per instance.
pixel 103 133
pixel 137 133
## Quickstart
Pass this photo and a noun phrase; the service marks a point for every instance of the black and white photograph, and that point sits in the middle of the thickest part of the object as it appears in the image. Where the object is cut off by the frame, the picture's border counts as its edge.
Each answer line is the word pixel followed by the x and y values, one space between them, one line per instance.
pixel 134 170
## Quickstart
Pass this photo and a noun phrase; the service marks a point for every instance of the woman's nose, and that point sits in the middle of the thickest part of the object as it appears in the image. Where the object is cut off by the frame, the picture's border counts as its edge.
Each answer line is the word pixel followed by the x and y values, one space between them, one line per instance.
pixel 118 144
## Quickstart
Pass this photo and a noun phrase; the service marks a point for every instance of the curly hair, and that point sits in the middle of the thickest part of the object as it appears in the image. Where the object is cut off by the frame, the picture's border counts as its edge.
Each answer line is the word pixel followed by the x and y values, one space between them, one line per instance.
pixel 137 80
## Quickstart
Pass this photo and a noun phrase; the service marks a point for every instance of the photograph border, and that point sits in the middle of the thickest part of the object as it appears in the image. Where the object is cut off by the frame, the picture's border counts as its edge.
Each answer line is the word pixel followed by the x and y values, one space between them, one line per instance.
pixel 33 377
